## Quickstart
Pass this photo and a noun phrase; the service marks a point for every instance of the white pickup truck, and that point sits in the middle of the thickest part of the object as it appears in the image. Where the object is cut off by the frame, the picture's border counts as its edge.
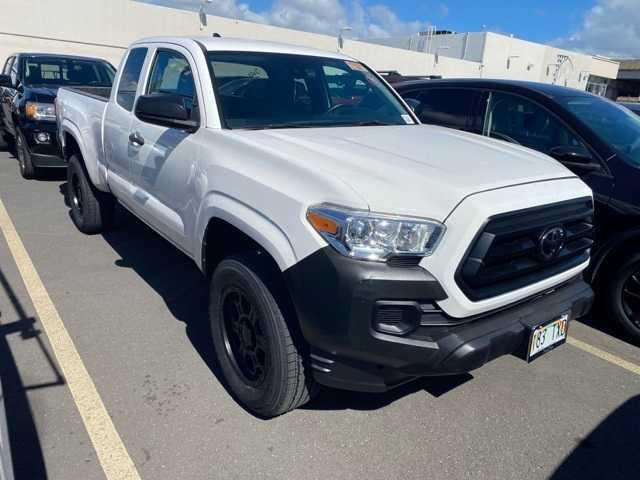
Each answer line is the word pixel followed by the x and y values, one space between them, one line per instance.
pixel 345 244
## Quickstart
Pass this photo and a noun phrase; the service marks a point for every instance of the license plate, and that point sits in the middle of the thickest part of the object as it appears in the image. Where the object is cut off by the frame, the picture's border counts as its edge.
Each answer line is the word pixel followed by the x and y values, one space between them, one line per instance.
pixel 548 336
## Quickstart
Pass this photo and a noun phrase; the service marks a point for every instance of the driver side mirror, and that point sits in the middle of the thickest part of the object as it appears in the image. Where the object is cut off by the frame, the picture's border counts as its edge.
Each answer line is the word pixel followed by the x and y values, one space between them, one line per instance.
pixel 167 110
pixel 413 104
pixel 578 159
pixel 5 81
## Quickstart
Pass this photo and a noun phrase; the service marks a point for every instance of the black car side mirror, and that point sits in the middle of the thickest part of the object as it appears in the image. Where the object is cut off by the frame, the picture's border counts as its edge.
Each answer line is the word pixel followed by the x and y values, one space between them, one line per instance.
pixel 5 81
pixel 167 110
pixel 576 158
pixel 413 104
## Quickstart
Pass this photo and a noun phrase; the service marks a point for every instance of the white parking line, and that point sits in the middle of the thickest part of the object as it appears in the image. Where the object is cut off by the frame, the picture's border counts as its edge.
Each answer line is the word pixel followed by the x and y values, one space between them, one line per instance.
pixel 606 356
pixel 113 455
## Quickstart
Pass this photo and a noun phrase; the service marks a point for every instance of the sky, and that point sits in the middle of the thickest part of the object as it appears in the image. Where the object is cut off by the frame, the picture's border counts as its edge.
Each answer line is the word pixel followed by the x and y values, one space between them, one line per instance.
pixel 605 27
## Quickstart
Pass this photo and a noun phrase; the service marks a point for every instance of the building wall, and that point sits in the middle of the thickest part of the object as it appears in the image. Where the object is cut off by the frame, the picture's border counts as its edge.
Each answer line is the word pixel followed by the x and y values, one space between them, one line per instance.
pixel 506 57
pixel 104 28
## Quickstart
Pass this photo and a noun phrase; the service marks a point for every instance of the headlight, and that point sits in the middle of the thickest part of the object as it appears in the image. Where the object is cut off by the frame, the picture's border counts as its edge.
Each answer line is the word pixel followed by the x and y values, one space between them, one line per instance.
pixel 41 111
pixel 376 237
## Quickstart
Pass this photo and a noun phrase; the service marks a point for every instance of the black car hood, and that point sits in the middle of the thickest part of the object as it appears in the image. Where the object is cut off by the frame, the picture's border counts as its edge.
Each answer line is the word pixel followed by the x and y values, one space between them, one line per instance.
pixel 41 94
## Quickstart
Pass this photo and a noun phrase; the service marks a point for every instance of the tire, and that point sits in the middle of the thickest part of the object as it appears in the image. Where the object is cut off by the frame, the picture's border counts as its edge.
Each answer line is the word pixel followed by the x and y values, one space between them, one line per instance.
pixel 270 378
pixel 91 210
pixel 27 170
pixel 623 294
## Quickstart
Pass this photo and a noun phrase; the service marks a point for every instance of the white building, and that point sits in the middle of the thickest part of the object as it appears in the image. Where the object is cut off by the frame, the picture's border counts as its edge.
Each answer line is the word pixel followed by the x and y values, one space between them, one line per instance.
pixel 507 57
pixel 104 28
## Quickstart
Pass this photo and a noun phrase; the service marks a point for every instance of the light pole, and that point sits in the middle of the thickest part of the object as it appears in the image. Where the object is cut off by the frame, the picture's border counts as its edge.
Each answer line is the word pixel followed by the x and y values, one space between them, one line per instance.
pixel 202 14
pixel 341 38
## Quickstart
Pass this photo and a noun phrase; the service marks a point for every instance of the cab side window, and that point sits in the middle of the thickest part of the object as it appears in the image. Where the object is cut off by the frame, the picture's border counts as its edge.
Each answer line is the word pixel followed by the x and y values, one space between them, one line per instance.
pixel 448 107
pixel 130 77
pixel 171 74
pixel 521 121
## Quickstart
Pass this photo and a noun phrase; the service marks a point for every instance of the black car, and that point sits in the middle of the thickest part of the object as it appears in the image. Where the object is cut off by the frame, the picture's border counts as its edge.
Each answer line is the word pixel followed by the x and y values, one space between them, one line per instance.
pixel 28 87
pixel 595 138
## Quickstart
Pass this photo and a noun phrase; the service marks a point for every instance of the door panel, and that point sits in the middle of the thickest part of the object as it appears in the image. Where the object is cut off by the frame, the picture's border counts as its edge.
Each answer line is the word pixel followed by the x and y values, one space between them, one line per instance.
pixel 117 125
pixel 164 167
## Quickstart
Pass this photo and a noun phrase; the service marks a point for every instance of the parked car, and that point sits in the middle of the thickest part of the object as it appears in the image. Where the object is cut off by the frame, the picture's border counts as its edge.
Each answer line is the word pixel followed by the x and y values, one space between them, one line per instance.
pixel 28 87
pixel 592 136
pixel 345 244
pixel 634 107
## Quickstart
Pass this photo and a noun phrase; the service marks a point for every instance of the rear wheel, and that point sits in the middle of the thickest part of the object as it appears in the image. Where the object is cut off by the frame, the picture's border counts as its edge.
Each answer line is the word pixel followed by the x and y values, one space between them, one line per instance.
pixel 27 170
pixel 91 209
pixel 623 294
pixel 261 362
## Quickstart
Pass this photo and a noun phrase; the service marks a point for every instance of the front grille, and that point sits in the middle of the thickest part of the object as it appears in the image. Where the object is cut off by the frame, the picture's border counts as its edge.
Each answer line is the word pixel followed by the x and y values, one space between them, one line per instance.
pixel 507 254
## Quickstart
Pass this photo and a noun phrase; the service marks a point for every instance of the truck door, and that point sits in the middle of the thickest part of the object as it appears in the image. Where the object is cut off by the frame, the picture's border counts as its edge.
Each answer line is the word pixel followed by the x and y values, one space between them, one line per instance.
pixel 117 125
pixel 164 162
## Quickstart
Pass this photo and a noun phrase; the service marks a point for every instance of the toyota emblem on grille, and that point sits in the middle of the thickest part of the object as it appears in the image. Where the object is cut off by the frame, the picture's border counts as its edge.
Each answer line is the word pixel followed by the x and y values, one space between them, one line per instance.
pixel 551 243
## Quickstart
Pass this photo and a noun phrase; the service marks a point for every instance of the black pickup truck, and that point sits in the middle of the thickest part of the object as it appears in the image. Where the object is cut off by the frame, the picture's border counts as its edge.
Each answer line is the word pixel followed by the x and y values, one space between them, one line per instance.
pixel 29 84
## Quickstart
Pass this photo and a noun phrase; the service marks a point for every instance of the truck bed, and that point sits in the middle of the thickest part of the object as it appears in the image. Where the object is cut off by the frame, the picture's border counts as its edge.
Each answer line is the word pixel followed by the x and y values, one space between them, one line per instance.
pixel 99 93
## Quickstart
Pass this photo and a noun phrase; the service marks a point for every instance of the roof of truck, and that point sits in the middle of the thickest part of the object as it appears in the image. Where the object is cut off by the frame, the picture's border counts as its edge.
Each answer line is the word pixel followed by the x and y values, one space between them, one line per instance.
pixel 244 45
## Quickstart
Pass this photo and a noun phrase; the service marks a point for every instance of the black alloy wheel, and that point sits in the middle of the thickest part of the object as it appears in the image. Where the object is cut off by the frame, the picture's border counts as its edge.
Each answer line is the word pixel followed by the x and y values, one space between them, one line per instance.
pixel 244 336
pixel 76 194
pixel 631 297
pixel 622 293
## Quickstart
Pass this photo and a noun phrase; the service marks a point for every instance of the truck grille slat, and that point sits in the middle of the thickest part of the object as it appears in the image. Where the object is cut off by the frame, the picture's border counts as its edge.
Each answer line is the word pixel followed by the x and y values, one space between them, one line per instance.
pixel 507 254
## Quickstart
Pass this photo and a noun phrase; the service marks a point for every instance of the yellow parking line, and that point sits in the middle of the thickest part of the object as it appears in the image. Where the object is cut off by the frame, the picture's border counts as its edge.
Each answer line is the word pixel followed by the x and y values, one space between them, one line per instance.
pixel 606 356
pixel 113 455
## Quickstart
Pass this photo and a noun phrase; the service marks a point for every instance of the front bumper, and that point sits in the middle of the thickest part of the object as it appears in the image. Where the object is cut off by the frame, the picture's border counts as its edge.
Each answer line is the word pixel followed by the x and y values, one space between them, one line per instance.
pixel 43 155
pixel 336 300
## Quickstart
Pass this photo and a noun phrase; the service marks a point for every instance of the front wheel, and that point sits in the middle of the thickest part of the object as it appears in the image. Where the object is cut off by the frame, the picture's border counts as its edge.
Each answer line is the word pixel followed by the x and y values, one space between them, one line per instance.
pixel 27 170
pixel 623 295
pixel 261 362
pixel 91 210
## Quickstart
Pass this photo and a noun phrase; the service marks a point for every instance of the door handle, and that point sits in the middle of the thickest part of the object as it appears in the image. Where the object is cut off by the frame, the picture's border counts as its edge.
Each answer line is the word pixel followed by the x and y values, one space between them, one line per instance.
pixel 136 139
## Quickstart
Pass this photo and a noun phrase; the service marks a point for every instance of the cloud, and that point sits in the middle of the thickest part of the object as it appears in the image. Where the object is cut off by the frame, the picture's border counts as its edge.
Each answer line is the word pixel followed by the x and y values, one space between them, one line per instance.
pixel 319 16
pixel 610 28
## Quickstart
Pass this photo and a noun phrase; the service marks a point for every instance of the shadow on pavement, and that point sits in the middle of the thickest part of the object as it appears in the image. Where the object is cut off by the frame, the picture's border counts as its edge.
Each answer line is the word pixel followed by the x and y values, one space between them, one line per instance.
pixel 26 450
pixel 610 451
pixel 331 399
pixel 179 282
pixel 598 319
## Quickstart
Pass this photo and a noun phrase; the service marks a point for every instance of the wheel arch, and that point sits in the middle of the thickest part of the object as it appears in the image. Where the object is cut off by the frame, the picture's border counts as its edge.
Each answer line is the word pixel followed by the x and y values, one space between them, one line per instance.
pixel 71 143
pixel 620 243
pixel 224 220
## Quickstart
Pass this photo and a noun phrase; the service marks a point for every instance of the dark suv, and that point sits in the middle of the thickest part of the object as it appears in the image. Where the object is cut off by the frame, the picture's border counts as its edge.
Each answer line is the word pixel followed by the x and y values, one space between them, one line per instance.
pixel 594 137
pixel 28 86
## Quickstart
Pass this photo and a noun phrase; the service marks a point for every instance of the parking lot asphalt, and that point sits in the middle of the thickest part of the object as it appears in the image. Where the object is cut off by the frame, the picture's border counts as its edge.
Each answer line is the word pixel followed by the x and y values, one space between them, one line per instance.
pixel 135 309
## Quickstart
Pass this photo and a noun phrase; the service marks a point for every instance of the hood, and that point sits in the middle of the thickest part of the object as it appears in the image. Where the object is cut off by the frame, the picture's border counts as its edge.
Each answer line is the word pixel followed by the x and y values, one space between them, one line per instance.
pixel 419 170
pixel 41 94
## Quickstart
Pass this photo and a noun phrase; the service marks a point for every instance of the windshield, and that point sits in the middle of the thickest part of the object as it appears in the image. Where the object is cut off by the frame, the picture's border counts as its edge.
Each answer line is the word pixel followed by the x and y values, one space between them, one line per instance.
pixel 616 125
pixel 52 71
pixel 271 90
